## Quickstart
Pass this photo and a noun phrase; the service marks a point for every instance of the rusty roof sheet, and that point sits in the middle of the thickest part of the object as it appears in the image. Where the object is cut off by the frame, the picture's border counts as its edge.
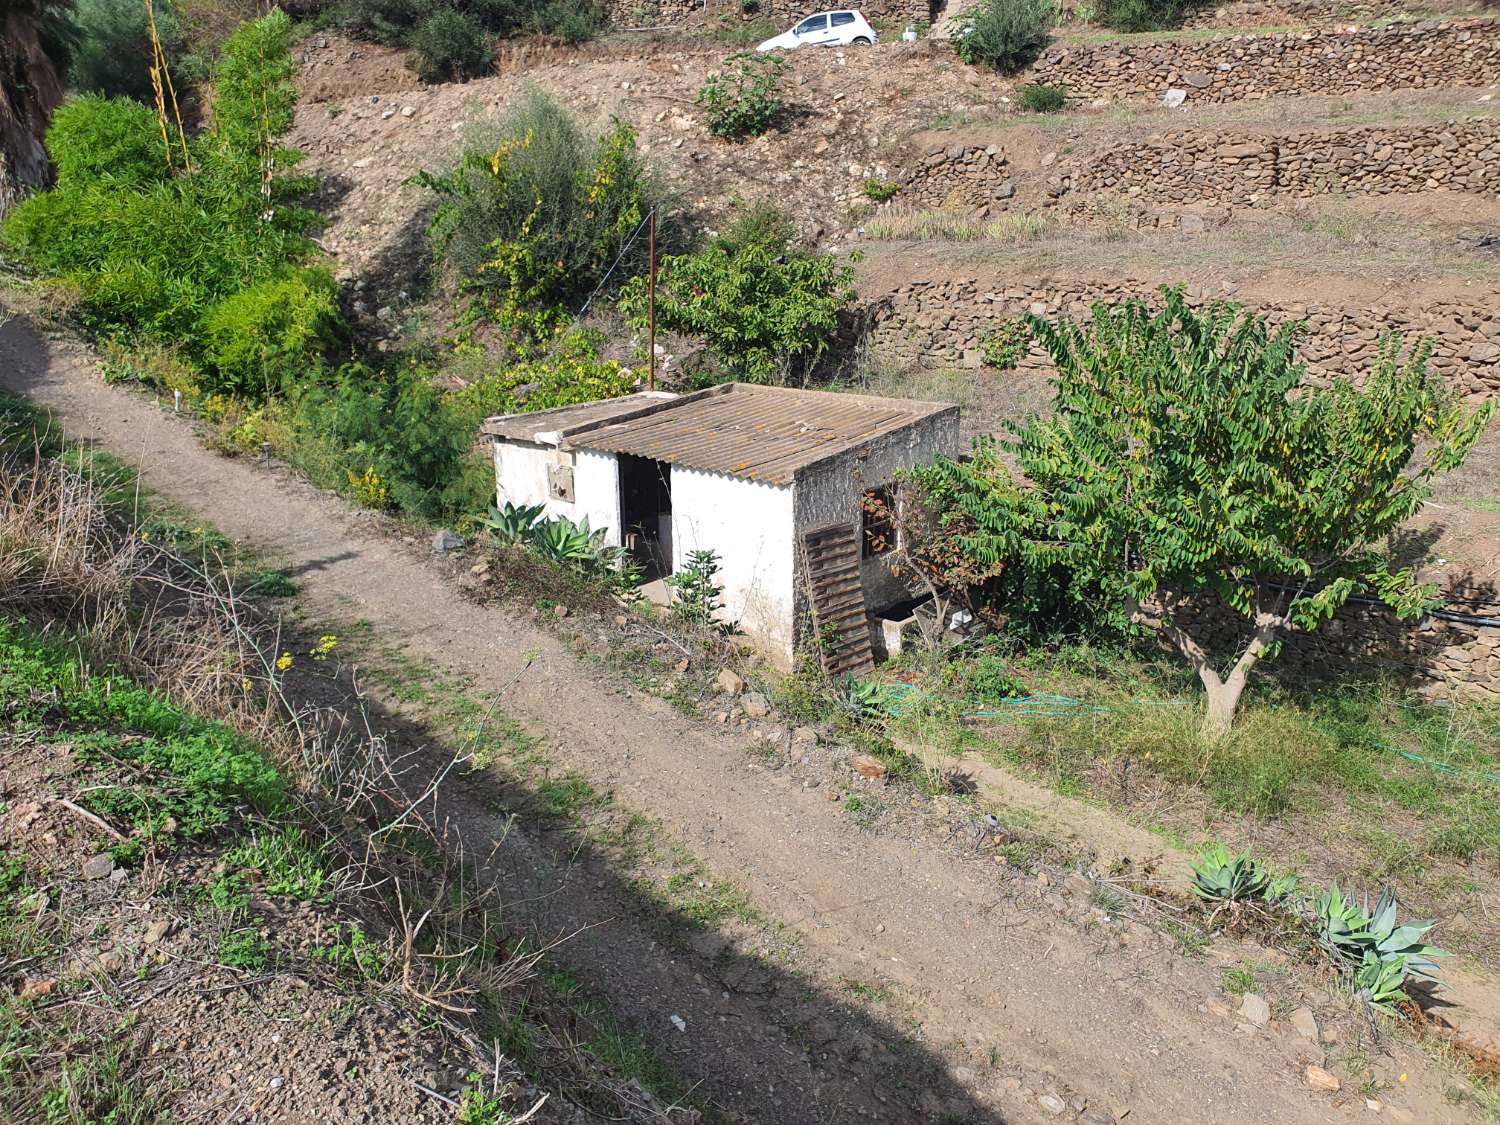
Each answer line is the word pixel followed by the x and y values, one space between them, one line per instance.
pixel 765 434
pixel 546 427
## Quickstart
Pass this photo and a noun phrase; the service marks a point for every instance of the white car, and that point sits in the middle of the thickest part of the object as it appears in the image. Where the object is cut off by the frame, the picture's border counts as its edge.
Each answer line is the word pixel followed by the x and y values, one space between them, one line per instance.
pixel 826 29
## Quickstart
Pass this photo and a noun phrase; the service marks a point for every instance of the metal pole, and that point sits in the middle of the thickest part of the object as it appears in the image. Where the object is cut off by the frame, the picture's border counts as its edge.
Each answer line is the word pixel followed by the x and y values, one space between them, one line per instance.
pixel 651 303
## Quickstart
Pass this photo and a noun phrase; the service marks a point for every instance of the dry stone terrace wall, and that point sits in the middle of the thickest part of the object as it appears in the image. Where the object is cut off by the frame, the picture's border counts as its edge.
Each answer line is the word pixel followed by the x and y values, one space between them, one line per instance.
pixel 1438 657
pixel 972 173
pixel 945 323
pixel 1282 13
pixel 1190 165
pixel 1243 67
pixel 671 13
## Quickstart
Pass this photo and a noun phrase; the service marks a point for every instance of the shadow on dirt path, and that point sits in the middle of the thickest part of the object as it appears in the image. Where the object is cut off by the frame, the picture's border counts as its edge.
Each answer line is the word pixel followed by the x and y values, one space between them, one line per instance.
pixel 1021 1015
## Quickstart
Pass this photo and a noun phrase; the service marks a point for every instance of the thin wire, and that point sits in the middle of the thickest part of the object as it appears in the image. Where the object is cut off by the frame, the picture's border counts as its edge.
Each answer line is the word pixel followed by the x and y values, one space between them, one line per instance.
pixel 618 258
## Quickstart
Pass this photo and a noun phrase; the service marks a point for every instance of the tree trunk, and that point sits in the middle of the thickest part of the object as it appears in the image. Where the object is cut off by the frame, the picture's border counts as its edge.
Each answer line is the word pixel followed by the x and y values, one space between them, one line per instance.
pixel 1221 700
pixel 31 87
pixel 1221 695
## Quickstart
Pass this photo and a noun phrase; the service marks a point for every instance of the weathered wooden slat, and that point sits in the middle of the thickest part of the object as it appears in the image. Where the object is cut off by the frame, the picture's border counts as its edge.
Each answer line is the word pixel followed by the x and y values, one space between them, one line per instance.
pixel 837 596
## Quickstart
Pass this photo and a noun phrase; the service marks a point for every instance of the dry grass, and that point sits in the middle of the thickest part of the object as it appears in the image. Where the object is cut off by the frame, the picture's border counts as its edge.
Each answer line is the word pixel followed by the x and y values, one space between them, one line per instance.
pixel 951 224
pixel 73 562
pixel 66 563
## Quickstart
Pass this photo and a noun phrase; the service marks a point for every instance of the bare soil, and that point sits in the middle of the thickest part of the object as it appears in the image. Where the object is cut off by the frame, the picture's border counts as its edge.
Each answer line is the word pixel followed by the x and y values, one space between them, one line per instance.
pixel 1003 995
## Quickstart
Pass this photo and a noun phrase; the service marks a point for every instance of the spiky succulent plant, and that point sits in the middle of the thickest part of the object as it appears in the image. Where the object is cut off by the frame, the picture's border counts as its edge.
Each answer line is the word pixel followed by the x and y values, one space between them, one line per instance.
pixel 1219 878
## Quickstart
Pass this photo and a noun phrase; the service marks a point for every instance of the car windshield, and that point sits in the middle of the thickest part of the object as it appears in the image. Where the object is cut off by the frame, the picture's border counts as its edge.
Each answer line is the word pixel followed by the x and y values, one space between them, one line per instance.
pixel 812 23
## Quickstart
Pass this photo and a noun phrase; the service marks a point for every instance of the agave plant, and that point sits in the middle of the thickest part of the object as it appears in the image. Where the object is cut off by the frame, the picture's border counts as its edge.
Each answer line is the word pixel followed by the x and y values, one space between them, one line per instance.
pixel 1382 983
pixel 567 542
pixel 1282 888
pixel 863 698
pixel 1342 926
pixel 1222 879
pixel 511 524
pixel 1349 930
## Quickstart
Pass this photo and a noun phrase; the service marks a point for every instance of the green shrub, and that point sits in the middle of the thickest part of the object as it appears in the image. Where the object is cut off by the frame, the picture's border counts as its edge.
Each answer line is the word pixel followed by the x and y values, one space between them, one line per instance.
pixel 1004 345
pixel 400 23
pixel 385 21
pixel 449 46
pixel 150 254
pixel 573 21
pixel 537 211
pixel 94 138
pixel 1006 35
pixel 254 338
pixel 880 190
pixel 744 98
pixel 698 593
pixel 396 423
pixel 112 46
pixel 569 371
pixel 1041 98
pixel 767 311
pixel 1140 15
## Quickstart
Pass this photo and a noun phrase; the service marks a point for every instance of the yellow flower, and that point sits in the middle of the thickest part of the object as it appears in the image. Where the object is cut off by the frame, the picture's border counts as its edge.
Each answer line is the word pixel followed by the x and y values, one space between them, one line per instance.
pixel 284 661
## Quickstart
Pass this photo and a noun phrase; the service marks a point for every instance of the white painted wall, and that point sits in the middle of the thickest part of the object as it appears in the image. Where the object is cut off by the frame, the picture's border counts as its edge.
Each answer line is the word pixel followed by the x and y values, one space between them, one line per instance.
pixel 750 526
pixel 596 492
pixel 521 478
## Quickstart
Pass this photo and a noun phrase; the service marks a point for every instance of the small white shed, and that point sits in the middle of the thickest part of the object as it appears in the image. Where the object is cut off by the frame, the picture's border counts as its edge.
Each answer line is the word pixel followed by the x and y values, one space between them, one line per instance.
pixel 772 479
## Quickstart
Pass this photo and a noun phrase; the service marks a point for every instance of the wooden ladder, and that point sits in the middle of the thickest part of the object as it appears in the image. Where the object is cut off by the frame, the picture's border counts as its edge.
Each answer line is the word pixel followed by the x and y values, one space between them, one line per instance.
pixel 837 595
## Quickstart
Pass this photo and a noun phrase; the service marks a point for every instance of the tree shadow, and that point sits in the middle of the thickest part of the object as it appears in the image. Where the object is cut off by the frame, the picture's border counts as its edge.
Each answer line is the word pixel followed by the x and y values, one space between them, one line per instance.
pixel 757 1039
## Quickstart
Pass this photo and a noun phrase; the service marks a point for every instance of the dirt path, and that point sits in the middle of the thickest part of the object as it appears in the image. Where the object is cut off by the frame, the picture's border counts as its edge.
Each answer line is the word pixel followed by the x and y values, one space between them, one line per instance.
pixel 1023 1015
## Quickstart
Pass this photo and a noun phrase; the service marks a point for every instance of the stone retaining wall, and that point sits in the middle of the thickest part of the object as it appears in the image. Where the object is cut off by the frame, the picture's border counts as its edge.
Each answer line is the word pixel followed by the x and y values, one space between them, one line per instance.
pixel 783 13
pixel 1191 165
pixel 945 322
pixel 971 173
pixel 1281 13
pixel 1316 61
pixel 1437 657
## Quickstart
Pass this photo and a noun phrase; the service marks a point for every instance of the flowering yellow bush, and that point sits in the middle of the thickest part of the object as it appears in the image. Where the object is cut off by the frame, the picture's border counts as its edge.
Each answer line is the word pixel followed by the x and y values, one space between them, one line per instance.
pixel 369 490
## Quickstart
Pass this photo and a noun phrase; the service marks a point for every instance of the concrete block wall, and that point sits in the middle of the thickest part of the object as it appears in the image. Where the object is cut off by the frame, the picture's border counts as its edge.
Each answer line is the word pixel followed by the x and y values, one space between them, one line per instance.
pixel 1314 61
pixel 944 322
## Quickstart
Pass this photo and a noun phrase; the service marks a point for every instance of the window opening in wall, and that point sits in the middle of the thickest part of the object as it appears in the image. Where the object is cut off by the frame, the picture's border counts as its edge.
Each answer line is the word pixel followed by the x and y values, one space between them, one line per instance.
pixel 646 513
pixel 878 509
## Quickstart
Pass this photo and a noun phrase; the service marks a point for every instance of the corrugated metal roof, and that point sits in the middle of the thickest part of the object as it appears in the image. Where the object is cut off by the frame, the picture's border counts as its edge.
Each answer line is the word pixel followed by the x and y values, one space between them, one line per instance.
pixel 546 426
pixel 763 433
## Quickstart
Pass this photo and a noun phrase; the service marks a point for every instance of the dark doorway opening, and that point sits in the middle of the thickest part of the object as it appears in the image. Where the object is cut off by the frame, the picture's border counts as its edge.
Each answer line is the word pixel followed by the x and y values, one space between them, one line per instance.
pixel 646 513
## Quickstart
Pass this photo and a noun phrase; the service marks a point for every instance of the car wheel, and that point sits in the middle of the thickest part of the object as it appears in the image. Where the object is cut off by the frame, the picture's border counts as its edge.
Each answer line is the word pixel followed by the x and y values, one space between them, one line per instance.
pixel 861 41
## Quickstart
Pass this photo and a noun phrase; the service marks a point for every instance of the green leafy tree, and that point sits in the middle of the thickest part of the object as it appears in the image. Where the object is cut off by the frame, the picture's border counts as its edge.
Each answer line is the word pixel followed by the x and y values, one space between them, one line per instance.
pixel 767 310
pixel 744 98
pixel 1187 456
